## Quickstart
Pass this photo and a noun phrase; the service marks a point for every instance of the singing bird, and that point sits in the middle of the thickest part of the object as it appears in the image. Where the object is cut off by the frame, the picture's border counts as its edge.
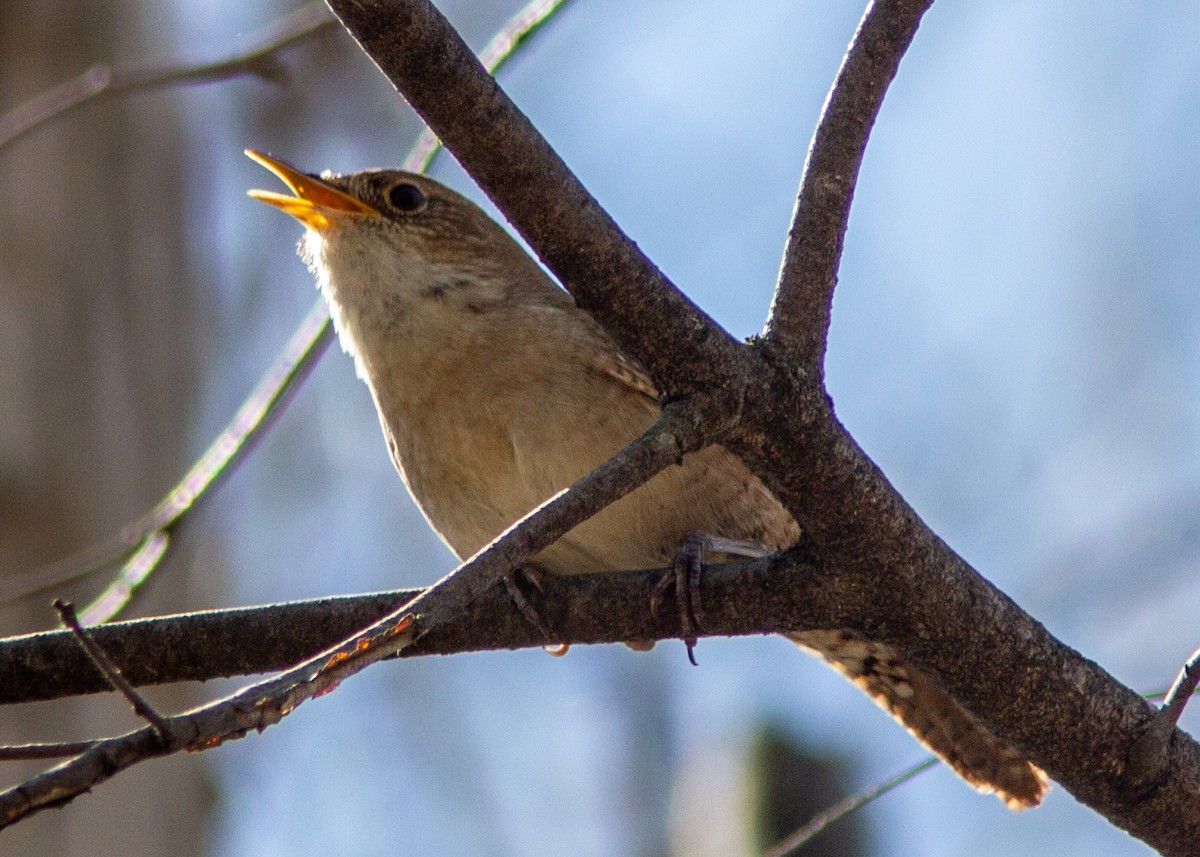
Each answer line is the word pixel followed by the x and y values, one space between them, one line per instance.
pixel 495 392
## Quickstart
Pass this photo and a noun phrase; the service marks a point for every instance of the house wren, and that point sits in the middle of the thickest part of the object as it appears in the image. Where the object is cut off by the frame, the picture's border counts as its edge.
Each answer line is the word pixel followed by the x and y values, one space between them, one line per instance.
pixel 495 392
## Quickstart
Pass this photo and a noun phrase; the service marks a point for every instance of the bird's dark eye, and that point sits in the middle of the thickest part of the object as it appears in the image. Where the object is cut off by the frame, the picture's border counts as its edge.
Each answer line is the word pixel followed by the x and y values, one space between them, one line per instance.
pixel 406 197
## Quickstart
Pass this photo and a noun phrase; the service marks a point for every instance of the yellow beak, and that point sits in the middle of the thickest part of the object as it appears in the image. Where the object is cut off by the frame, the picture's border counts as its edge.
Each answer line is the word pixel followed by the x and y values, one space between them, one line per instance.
pixel 315 203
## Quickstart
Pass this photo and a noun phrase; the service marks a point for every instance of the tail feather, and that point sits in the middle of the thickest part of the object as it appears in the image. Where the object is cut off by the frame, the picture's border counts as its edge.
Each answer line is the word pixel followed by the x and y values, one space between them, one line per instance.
pixel 932 716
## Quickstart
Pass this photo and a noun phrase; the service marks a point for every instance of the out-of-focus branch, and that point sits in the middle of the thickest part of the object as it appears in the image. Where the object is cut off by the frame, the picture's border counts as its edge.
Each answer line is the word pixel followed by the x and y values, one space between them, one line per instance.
pixel 799 321
pixel 261 61
pixel 143 542
pixel 843 808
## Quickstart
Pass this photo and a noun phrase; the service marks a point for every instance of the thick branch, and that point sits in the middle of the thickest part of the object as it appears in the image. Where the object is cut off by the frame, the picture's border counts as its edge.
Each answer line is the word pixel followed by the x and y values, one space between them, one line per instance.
pixel 189 647
pixel 685 350
pixel 799 321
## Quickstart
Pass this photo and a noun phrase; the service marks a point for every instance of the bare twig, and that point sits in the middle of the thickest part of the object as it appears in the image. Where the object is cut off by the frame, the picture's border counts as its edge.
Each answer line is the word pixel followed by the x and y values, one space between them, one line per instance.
pixel 101 81
pixel 799 321
pixel 1148 756
pixel 843 808
pixel 1183 688
pixel 255 707
pixel 104 664
pixel 58 750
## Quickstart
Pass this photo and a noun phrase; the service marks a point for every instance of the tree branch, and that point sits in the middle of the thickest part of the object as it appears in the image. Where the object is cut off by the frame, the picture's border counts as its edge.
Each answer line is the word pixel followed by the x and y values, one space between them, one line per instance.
pixel 799 320
pixel 900 584
pixel 744 597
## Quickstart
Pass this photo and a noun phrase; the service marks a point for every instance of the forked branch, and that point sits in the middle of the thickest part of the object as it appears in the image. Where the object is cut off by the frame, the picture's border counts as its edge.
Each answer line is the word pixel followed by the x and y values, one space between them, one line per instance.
pixel 928 603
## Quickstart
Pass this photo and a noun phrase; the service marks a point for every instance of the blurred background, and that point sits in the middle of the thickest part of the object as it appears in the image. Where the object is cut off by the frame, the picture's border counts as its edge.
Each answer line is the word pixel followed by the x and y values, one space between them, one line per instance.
pixel 1015 342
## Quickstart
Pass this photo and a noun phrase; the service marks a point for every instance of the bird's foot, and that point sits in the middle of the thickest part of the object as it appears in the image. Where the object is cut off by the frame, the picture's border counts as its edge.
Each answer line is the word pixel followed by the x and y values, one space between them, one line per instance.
pixel 522 584
pixel 684 578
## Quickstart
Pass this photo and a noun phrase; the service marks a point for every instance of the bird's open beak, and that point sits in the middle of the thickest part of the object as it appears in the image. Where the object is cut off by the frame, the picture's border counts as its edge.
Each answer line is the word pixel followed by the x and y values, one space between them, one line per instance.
pixel 315 203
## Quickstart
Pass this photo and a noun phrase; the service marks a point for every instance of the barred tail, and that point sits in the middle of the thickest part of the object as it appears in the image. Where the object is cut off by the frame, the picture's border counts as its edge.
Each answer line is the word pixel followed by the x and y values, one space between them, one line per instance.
pixel 932 716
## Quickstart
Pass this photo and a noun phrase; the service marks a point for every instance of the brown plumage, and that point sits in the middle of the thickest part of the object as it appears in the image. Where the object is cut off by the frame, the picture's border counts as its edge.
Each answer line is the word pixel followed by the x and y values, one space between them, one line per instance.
pixel 495 392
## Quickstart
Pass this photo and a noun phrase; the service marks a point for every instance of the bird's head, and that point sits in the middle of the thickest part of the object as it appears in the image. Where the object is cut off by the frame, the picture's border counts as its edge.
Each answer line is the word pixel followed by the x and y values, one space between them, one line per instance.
pixel 395 252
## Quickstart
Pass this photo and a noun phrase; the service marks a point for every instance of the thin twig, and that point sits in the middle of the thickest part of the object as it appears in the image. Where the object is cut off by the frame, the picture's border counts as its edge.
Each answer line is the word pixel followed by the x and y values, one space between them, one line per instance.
pixel 110 671
pixel 1183 688
pixel 254 707
pixel 845 807
pixel 799 321
pixel 101 81
pixel 57 750
pixel 1147 758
